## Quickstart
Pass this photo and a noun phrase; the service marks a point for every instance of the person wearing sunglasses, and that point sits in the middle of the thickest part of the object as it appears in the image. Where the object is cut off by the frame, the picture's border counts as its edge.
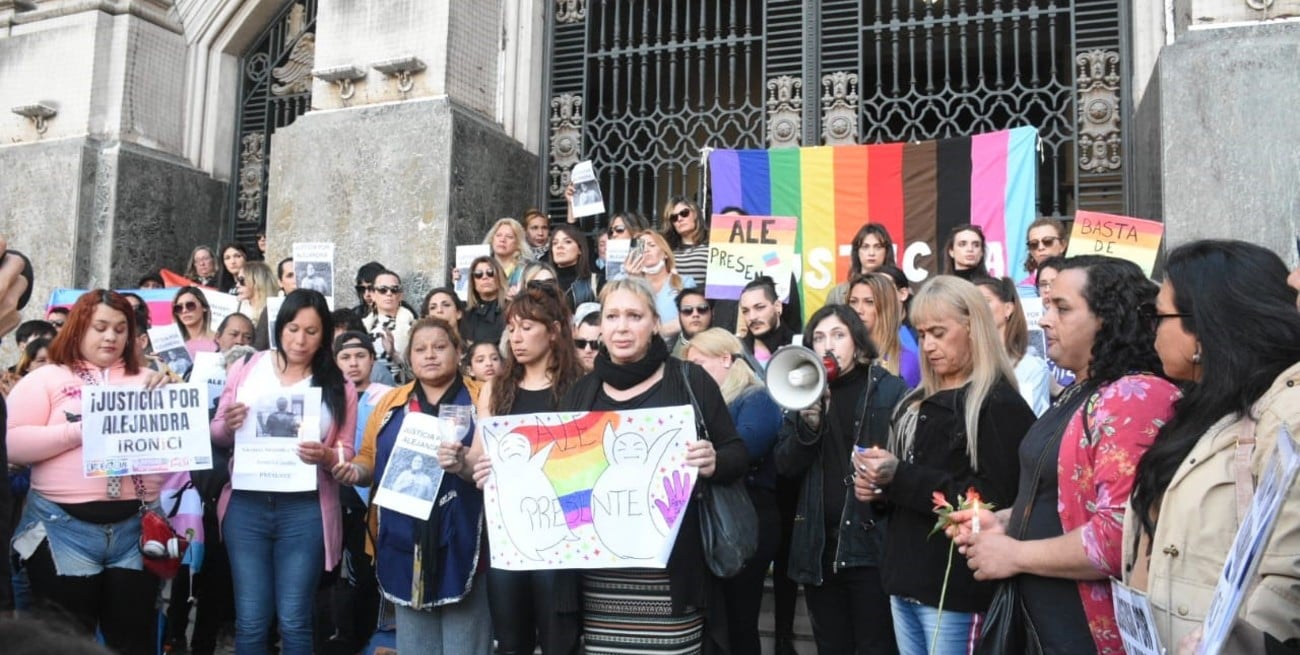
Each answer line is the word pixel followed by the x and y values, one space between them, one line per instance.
pixel 389 322
pixel 694 314
pixel 191 313
pixel 1046 238
pixel 687 234
pixel 1238 356
pixel 1061 540
pixel 586 339
pixel 483 319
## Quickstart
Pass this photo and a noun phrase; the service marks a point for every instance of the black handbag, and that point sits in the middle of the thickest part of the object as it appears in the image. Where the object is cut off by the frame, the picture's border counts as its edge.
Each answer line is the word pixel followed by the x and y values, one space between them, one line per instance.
pixel 728 522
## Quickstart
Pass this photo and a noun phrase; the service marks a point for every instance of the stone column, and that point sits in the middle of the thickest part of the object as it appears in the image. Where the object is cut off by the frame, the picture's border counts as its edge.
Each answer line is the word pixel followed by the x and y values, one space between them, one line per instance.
pixel 403 155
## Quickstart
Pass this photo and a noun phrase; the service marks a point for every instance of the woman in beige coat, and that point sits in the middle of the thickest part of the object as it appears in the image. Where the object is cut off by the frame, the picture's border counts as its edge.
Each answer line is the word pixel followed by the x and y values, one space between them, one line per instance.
pixel 1225 324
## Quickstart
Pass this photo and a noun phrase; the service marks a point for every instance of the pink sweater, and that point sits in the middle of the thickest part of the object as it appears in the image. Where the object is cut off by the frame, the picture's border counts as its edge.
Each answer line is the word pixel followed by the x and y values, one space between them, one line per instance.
pixel 41 436
pixel 341 435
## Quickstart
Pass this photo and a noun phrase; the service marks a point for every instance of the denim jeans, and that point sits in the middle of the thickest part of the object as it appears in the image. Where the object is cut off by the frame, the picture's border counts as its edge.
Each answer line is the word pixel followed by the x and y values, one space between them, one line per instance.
pixel 463 628
pixel 277 553
pixel 914 626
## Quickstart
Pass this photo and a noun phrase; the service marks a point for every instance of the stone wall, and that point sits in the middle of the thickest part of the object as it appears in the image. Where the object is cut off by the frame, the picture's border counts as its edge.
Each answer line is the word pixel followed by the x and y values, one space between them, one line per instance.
pixel 398 183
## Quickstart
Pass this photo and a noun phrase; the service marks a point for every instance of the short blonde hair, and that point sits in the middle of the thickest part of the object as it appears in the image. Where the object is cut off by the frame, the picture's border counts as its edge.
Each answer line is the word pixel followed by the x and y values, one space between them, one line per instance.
pixel 716 342
pixel 633 285
pixel 521 242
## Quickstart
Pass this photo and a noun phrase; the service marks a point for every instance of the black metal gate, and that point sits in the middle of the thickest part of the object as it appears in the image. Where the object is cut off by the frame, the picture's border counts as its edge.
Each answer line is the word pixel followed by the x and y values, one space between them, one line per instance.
pixel 642 86
pixel 274 90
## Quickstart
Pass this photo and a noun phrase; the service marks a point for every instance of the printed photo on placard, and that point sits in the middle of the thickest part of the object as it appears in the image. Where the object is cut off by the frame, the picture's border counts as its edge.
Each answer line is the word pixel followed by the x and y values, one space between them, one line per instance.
pixel 279 415
pixel 587 198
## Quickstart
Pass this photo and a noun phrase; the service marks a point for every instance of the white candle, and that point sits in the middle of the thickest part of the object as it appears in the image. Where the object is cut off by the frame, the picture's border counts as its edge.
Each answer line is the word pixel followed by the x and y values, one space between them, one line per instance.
pixel 975 522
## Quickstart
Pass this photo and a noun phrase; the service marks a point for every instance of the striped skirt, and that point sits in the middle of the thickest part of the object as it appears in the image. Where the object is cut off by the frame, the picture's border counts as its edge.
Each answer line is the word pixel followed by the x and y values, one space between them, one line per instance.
pixel 630 611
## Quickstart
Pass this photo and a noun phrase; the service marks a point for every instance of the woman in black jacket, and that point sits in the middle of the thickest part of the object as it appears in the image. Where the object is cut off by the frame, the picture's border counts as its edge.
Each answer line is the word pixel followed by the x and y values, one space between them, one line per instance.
pixel 836 546
pixel 959 430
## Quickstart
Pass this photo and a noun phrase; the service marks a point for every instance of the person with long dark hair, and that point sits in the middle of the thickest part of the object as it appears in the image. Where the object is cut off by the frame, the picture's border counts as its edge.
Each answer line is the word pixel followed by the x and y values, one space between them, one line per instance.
pixel 540 367
pixel 872 249
pixel 281 542
pixel 1226 327
pixel 836 549
pixel 964 252
pixel 1061 540
pixel 572 265
pixel 484 320
pixel 233 257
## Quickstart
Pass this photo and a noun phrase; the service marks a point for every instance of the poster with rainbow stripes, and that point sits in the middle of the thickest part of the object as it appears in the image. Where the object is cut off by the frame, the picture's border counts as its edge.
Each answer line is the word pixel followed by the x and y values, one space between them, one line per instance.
pixel 1134 239
pixel 919 191
pixel 583 490
pixel 742 248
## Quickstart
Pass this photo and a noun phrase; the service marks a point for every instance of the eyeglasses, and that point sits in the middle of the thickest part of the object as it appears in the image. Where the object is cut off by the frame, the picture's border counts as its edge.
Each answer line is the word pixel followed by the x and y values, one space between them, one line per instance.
pixel 587 344
pixel 685 213
pixel 362 288
pixel 483 273
pixel 1046 242
pixel 187 306
pixel 616 229
pixel 691 310
pixel 1151 318
pixel 384 291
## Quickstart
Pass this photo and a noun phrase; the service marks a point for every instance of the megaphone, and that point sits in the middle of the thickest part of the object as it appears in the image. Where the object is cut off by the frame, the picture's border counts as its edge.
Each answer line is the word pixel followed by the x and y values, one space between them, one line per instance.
pixel 797 376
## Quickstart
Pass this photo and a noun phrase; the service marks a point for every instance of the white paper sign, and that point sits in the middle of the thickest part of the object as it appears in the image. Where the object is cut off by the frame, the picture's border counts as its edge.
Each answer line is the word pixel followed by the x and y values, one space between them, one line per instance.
pixel 266 445
pixel 587 199
pixel 273 305
pixel 587 489
pixel 1135 619
pixel 1239 568
pixel 220 305
pixel 465 256
pixel 126 430
pixel 313 267
pixel 616 252
pixel 412 476
pixel 169 346
pixel 210 371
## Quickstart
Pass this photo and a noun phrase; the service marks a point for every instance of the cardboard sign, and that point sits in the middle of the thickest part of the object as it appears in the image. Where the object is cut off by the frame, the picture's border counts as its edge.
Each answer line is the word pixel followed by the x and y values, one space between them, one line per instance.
pixel 742 248
pixel 1134 239
pixel 587 489
pixel 130 431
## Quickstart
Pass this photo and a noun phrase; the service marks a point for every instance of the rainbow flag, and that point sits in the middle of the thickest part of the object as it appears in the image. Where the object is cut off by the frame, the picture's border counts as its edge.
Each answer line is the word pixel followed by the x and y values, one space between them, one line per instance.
pixel 918 191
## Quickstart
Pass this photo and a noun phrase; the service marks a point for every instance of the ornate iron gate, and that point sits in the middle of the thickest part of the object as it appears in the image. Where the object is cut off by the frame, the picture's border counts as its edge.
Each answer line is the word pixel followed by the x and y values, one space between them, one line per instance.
pixel 274 90
pixel 641 86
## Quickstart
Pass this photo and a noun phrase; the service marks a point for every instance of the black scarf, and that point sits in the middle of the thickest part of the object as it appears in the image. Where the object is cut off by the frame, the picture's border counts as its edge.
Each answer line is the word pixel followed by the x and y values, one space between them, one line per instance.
pixel 773 340
pixel 626 376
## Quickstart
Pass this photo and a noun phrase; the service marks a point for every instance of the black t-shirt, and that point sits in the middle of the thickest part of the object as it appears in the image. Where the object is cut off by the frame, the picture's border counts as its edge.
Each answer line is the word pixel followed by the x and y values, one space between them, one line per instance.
pixel 530 401
pixel 1053 604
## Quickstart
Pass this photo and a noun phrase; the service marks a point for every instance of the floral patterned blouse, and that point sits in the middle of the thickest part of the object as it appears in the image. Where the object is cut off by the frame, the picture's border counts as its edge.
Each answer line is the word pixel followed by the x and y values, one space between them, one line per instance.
pixel 1095 476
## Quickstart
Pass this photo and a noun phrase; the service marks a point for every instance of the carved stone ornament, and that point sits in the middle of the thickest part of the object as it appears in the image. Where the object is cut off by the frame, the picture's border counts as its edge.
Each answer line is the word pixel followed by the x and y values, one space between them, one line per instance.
pixel 252 176
pixel 1099 135
pixel 1259 5
pixel 784 112
pixel 570 11
pixel 294 76
pixel 566 139
pixel 840 108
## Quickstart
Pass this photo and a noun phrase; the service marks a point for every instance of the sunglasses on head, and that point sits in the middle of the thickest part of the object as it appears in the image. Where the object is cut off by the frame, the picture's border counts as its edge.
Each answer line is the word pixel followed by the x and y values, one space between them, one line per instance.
pixel 1046 242
pixel 187 306
pixel 691 310
pixel 385 290
pixel 585 344
pixel 483 273
pixel 685 213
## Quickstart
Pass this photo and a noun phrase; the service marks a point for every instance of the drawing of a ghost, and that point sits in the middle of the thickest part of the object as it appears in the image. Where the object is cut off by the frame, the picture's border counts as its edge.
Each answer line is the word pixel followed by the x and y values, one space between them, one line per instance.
pixel 622 511
pixel 530 492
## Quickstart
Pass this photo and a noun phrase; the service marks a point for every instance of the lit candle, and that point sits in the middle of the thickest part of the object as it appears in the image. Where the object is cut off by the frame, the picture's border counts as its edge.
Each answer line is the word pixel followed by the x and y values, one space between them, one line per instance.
pixel 341 457
pixel 975 522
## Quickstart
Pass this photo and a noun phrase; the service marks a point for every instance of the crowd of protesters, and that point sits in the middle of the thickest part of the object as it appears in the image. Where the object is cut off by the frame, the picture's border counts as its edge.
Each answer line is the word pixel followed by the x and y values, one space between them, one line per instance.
pixel 1128 448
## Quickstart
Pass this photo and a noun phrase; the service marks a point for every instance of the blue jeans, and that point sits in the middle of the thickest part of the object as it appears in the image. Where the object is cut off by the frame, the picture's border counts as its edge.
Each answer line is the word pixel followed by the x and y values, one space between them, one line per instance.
pixel 914 628
pixel 277 552
pixel 463 628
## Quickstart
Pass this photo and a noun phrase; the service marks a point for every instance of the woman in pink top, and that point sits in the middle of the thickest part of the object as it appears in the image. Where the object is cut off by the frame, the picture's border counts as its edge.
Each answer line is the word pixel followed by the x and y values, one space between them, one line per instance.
pixel 279 541
pixel 194 318
pixel 79 537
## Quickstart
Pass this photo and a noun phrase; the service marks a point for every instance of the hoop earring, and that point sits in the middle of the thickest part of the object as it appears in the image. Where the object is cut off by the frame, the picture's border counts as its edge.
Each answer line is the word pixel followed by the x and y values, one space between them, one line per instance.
pixel 1196 357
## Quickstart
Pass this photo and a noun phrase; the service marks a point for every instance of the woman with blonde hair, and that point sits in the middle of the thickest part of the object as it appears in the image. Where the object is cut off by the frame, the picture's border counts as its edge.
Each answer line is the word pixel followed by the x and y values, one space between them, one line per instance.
pixel 507 239
pixel 874 298
pixel 758 420
pixel 658 265
pixel 960 430
pixel 687 234
pixel 254 285
pixel 483 319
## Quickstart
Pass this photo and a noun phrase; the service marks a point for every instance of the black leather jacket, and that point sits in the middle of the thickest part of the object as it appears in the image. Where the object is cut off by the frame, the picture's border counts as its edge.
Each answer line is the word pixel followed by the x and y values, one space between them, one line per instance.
pixel 798 452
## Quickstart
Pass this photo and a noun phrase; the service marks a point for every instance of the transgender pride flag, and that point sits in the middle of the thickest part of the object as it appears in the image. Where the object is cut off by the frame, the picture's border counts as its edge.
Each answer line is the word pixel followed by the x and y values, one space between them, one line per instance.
pixel 918 191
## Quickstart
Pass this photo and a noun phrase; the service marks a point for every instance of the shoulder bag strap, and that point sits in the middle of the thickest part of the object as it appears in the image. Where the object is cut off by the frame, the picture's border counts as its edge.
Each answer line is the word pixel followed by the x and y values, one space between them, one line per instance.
pixel 1054 448
pixel 1244 481
pixel 695 404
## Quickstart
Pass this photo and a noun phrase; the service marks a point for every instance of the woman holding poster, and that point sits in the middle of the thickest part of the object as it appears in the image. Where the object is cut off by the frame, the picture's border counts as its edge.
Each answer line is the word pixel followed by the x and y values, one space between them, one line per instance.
pixel 79 536
pixel 677 608
pixel 280 541
pixel 427 565
pixel 540 367
pixel 1225 322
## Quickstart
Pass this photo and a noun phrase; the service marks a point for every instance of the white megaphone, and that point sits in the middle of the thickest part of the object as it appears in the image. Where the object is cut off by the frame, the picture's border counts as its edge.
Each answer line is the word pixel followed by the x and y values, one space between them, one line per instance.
pixel 797 376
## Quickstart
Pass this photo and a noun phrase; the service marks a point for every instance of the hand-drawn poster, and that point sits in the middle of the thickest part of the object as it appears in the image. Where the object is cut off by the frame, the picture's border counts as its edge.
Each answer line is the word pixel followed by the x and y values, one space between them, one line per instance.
pixel 133 431
pixel 412 475
pixel 1134 239
pixel 586 490
pixel 266 445
pixel 742 248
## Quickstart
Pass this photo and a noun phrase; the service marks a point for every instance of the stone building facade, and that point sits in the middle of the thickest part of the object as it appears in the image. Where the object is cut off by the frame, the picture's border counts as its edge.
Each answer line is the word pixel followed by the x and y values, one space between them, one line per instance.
pixel 130 130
